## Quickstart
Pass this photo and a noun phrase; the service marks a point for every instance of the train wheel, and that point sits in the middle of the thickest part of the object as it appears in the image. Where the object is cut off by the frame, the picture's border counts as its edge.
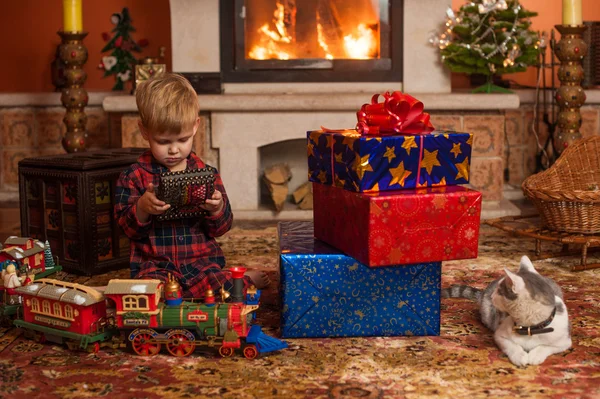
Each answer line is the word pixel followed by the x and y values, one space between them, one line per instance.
pixel 225 352
pixel 180 345
pixel 250 351
pixel 142 345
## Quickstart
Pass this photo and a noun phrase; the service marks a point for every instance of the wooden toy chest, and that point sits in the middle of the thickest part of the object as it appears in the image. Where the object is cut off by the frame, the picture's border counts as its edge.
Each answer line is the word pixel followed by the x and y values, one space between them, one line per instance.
pixel 68 199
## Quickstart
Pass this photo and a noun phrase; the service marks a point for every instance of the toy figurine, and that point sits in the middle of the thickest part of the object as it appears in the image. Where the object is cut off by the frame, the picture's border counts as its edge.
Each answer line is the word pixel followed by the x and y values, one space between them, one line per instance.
pixel 11 281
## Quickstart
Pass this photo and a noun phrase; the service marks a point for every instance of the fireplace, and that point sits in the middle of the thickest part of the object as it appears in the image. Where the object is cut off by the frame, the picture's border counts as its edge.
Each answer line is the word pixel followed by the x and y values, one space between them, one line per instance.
pixel 265 106
pixel 311 40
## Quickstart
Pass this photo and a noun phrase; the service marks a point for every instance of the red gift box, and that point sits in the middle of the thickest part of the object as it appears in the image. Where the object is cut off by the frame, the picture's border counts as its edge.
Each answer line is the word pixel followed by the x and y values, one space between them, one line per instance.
pixel 399 227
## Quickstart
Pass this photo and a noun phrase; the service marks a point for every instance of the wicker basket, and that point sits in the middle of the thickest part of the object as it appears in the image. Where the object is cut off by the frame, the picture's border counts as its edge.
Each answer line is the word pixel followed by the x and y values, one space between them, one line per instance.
pixel 567 194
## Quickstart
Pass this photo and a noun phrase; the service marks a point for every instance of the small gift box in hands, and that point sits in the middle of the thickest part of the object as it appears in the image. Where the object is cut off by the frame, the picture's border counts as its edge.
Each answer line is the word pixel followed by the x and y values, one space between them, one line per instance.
pixel 185 191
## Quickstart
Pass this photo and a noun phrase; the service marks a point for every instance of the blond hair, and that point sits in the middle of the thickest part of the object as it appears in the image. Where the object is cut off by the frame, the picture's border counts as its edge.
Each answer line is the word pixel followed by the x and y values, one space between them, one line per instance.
pixel 167 103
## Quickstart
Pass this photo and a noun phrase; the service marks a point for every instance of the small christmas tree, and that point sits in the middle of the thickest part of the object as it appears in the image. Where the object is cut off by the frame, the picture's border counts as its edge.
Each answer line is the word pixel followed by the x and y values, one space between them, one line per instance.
pixel 489 37
pixel 121 61
pixel 48 255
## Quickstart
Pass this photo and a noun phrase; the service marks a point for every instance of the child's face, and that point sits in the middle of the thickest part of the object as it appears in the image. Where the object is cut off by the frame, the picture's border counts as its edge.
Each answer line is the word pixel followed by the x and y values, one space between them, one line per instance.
pixel 171 150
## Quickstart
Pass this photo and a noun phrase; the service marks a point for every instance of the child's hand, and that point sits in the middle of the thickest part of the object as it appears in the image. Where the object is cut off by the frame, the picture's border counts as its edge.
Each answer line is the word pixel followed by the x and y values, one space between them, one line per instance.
pixel 214 205
pixel 148 205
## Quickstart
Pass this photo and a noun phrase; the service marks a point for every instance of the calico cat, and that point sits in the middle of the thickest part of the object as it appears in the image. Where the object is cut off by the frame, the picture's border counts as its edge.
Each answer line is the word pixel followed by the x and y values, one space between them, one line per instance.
pixel 526 312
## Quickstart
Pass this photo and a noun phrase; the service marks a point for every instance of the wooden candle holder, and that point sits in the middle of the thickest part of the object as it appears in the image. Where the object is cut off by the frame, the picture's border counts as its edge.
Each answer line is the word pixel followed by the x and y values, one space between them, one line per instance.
pixel 570 96
pixel 74 97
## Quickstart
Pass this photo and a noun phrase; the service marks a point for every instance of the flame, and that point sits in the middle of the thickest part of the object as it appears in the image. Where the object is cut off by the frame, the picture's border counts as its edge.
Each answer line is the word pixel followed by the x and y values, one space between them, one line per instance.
pixel 363 45
pixel 322 42
pixel 277 43
pixel 269 47
pixel 280 25
pixel 269 51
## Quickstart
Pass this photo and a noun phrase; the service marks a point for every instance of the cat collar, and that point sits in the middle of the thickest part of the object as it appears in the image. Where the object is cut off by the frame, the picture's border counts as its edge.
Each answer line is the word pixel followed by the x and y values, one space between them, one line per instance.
pixel 540 328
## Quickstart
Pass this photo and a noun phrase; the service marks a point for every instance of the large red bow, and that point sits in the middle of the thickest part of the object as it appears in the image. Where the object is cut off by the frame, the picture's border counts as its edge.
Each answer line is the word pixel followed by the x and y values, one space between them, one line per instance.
pixel 398 113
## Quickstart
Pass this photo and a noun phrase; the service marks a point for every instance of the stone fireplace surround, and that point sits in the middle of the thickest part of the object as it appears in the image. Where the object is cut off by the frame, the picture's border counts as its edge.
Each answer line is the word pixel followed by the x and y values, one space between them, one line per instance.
pixel 250 116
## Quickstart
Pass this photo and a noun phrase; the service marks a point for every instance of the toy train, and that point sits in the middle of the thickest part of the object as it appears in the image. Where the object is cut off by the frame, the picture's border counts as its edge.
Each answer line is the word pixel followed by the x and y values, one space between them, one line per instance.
pixel 147 314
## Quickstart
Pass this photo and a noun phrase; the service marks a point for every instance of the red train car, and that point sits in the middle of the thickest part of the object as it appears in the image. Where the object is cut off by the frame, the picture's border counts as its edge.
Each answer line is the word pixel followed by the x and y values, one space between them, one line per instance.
pixel 64 306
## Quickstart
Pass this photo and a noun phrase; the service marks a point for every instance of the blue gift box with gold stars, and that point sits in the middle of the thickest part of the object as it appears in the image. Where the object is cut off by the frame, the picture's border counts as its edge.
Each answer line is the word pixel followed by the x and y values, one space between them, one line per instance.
pixel 328 294
pixel 348 160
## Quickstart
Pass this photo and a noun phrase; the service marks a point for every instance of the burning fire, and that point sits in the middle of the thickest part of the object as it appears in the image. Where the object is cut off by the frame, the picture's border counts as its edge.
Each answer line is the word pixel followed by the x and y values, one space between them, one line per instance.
pixel 322 42
pixel 277 41
pixel 363 46
pixel 271 38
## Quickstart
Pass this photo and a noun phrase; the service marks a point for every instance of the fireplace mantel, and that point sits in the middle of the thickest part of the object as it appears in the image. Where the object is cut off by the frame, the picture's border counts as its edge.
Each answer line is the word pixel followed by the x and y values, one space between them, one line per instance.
pixel 266 102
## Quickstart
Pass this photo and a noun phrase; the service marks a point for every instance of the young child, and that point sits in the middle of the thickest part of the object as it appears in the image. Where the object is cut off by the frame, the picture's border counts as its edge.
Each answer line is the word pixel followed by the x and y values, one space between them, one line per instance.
pixel 185 248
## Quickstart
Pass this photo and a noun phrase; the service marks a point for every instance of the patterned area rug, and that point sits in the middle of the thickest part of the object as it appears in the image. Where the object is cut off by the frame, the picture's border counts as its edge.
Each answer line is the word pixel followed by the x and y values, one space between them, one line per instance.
pixel 461 363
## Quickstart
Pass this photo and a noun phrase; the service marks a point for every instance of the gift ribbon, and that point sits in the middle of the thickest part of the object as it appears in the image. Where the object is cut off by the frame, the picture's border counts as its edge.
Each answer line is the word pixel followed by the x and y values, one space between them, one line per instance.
pixel 399 113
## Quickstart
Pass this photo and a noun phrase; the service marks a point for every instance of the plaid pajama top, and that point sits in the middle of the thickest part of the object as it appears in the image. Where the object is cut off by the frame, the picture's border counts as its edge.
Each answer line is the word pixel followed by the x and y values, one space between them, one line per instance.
pixel 185 248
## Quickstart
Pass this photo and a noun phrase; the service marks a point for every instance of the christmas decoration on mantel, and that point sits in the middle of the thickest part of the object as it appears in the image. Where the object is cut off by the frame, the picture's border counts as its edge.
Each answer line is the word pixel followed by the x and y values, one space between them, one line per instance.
pixel 488 37
pixel 121 61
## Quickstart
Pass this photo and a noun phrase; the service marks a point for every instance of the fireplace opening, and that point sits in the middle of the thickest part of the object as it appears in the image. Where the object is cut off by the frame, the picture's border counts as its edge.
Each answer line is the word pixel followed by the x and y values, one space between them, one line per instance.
pixel 311 30
pixel 291 153
pixel 311 40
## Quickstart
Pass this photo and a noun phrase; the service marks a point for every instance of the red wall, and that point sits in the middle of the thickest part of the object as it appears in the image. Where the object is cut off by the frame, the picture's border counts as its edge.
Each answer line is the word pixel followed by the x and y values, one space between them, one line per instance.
pixel 28 30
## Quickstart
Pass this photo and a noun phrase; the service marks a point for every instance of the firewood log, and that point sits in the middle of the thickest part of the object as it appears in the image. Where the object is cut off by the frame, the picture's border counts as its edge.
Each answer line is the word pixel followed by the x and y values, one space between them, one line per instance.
pixel 302 192
pixel 307 202
pixel 276 178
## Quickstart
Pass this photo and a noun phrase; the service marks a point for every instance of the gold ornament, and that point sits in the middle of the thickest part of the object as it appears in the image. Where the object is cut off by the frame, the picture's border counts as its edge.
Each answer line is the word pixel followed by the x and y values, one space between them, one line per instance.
pixel 224 294
pixel 150 67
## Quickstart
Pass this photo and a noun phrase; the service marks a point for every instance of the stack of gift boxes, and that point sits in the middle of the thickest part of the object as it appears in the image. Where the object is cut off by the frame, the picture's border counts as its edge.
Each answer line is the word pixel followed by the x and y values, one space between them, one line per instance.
pixel 388 209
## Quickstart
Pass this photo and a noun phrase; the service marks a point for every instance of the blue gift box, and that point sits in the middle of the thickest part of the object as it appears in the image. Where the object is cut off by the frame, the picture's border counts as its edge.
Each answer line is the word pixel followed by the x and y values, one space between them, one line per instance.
pixel 345 159
pixel 328 294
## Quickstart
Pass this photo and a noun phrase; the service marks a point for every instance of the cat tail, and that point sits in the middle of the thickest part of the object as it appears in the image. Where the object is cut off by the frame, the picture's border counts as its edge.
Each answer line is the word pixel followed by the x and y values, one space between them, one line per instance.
pixel 462 291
